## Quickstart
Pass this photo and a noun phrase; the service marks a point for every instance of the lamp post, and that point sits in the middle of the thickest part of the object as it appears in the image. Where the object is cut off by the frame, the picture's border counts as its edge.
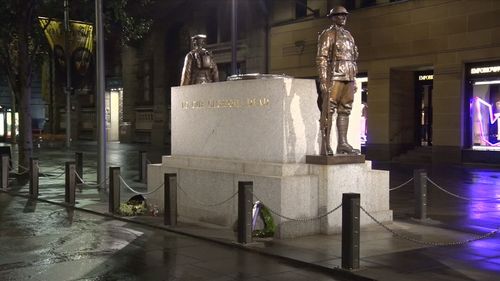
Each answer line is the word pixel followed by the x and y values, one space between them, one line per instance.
pixel 234 37
pixel 101 113
pixel 68 73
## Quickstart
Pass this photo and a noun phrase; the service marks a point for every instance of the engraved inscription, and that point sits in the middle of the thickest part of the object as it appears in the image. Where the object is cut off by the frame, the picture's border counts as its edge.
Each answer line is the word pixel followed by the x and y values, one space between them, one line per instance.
pixel 226 103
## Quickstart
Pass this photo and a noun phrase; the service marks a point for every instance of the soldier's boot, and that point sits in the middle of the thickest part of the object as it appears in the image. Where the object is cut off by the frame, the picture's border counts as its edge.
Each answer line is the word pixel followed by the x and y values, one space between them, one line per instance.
pixel 342 146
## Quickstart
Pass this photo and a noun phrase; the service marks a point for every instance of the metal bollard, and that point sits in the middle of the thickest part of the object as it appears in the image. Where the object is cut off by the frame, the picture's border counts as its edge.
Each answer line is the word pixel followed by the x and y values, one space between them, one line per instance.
pixel 70 183
pixel 4 173
pixel 114 189
pixel 34 177
pixel 170 199
pixel 245 204
pixel 420 191
pixel 143 166
pixel 79 165
pixel 350 230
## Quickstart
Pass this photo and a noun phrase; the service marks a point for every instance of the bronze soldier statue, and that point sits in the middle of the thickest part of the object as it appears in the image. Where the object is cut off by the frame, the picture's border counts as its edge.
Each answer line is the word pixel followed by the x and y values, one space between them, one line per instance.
pixel 199 65
pixel 336 61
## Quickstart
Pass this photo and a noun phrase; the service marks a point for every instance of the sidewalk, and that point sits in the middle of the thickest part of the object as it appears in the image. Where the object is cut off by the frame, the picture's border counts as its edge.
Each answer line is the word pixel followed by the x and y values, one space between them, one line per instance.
pixel 383 255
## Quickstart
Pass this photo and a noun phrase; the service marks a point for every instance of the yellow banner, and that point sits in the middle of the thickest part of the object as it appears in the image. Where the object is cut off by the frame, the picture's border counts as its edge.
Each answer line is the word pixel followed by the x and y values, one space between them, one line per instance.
pixel 80 47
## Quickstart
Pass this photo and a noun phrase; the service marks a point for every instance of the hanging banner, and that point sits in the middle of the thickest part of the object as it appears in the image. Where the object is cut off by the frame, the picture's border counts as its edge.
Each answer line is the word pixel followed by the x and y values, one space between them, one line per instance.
pixel 81 50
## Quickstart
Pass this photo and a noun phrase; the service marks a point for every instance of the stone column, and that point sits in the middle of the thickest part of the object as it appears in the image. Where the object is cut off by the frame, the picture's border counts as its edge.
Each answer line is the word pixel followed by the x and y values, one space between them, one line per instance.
pixel 448 120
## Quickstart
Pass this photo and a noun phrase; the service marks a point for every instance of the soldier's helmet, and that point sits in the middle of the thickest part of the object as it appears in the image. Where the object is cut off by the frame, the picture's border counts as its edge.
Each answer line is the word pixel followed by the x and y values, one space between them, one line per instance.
pixel 199 36
pixel 339 10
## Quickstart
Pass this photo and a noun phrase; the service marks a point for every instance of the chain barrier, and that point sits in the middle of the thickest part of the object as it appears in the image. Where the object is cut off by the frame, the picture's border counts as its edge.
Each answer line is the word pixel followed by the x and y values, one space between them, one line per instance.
pixel 430 243
pixel 97 185
pixel 13 170
pixel 205 204
pixel 295 219
pixel 458 196
pixel 54 177
pixel 137 192
pixel 401 185
pixel 51 171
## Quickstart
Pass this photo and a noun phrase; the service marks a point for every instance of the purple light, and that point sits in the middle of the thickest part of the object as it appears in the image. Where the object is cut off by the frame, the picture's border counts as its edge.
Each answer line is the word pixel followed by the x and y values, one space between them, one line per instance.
pixel 493 118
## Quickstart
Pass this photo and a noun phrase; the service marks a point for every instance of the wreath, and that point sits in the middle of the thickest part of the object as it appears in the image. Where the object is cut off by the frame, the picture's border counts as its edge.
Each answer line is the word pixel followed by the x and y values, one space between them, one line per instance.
pixel 260 210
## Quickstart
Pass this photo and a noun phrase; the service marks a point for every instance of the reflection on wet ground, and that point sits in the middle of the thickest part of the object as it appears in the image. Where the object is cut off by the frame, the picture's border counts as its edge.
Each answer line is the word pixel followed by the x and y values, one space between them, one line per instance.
pixel 54 243
pixel 45 242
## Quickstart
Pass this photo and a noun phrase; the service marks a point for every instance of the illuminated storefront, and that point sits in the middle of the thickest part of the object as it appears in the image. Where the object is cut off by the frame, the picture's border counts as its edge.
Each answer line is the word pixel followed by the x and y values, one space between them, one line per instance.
pixel 362 86
pixel 482 118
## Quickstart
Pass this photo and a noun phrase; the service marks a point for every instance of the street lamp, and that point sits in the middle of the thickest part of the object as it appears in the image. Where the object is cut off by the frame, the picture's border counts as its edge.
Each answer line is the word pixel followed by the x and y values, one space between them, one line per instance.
pixel 234 37
pixel 101 113
pixel 68 73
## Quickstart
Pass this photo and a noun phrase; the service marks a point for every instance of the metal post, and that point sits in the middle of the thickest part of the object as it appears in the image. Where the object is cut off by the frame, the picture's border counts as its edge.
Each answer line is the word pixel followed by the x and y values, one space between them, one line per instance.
pixel 170 199
pixel 34 177
pixel 79 166
pixel 70 183
pixel 101 104
pixel 4 180
pixel 143 172
pixel 245 200
pixel 68 73
pixel 114 189
pixel 420 191
pixel 234 37
pixel 350 230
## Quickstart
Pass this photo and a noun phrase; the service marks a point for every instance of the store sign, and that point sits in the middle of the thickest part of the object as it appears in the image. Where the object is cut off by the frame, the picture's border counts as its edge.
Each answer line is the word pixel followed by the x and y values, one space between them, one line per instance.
pixel 425 77
pixel 483 70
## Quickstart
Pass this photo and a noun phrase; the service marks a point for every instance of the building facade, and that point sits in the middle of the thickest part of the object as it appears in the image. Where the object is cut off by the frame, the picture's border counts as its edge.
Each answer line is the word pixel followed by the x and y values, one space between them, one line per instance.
pixel 432 68
pixel 151 68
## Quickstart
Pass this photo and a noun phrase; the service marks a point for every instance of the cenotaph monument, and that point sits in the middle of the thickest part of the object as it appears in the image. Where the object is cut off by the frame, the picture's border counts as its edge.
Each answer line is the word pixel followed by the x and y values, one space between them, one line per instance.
pixel 266 130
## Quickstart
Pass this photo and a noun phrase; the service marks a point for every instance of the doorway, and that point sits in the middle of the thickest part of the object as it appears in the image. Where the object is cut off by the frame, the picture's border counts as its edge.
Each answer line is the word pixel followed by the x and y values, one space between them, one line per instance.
pixel 423 108
pixel 113 113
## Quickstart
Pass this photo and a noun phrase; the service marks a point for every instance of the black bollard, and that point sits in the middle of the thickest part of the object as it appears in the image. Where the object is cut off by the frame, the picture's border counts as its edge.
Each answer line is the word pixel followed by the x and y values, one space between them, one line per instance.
pixel 143 166
pixel 4 173
pixel 34 177
pixel 170 199
pixel 70 183
pixel 350 230
pixel 420 191
pixel 245 204
pixel 79 166
pixel 114 189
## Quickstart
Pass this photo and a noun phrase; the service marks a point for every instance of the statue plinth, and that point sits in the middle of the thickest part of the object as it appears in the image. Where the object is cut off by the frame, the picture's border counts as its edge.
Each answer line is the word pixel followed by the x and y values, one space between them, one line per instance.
pixel 335 159
pixel 261 130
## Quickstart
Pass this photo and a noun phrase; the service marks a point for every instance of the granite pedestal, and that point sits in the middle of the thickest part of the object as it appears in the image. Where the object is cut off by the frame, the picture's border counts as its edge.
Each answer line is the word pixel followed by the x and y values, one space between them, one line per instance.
pixel 261 131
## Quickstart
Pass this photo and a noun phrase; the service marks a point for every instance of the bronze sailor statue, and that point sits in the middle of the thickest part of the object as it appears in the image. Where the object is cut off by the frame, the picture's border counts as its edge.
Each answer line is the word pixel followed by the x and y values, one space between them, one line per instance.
pixel 337 69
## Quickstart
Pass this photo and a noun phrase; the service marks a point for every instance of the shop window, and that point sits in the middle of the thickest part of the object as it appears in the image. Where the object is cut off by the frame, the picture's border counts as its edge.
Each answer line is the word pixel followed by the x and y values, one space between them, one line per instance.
pixel 484 107
pixel 485 112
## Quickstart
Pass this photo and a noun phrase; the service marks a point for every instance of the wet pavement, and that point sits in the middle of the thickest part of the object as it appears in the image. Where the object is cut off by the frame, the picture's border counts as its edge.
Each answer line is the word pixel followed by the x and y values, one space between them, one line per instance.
pixel 41 241
pixel 412 251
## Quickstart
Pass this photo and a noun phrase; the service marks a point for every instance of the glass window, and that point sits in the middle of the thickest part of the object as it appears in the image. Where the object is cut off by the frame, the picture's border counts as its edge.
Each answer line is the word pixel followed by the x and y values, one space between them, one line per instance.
pixel 484 115
pixel 300 8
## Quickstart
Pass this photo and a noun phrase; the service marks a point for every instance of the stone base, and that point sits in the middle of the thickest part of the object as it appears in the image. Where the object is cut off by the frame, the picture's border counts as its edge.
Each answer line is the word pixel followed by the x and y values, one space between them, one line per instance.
pixel 296 190
pixel 335 159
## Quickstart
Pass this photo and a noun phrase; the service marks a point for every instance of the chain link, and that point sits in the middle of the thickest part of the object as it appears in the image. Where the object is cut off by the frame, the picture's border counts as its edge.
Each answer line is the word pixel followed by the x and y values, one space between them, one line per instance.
pixel 401 185
pixel 13 170
pixel 202 203
pixel 430 243
pixel 98 185
pixel 54 177
pixel 458 196
pixel 48 172
pixel 137 192
pixel 295 219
